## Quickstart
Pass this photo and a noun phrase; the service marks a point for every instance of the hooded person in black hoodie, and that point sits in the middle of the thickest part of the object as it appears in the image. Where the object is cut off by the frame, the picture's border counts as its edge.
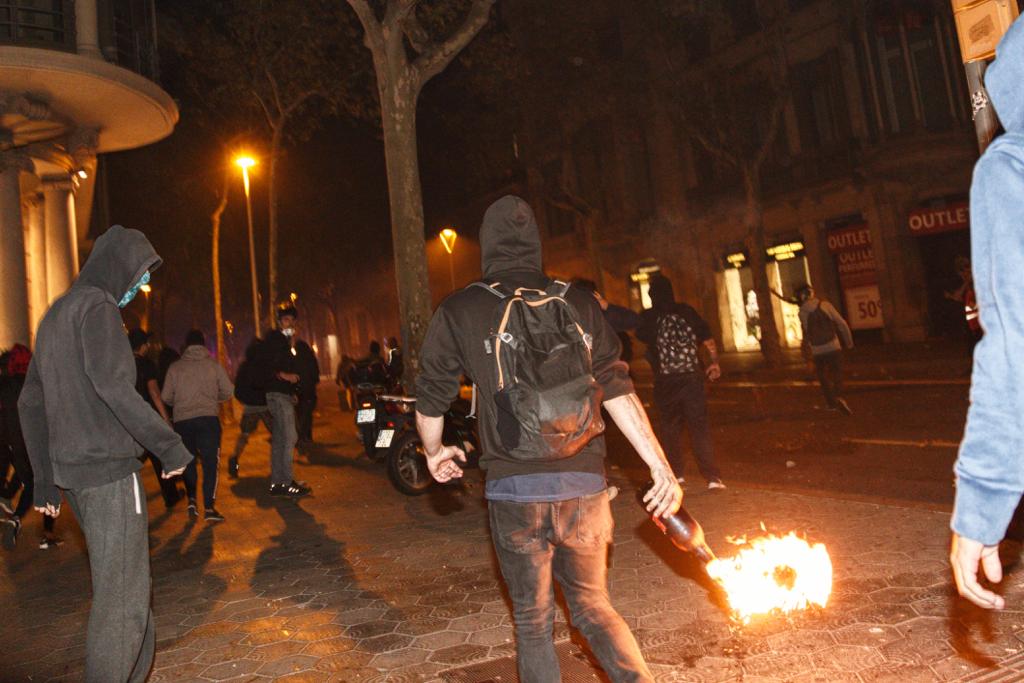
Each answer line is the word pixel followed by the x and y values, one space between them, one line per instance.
pixel 549 518
pixel 85 427
pixel 675 334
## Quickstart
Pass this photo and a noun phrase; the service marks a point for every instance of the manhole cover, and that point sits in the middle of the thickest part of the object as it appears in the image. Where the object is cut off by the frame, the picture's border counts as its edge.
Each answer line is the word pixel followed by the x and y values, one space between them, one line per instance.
pixel 576 665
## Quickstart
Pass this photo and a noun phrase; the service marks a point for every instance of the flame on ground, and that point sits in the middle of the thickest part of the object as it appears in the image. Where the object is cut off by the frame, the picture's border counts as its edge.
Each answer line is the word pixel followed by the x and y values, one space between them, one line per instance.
pixel 774 574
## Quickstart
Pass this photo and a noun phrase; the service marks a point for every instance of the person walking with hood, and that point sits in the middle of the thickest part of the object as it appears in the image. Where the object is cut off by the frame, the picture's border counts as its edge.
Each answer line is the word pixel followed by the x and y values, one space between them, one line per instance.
pixel 549 518
pixel 85 427
pixel 250 390
pixel 675 335
pixel 195 387
pixel 825 335
pixel 990 466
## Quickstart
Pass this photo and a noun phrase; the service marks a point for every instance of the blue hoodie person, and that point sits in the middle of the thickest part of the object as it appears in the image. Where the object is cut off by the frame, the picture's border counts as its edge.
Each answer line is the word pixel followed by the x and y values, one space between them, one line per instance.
pixel 990 466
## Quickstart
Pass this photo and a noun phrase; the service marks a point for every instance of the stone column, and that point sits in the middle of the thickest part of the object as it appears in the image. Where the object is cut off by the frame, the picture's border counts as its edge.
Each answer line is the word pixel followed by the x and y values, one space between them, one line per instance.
pixel 14 322
pixel 87 34
pixel 35 260
pixel 61 235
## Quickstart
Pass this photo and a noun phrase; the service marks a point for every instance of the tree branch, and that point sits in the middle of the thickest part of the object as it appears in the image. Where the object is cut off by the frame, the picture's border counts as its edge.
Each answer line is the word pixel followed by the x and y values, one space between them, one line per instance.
pixel 719 151
pixel 774 123
pixel 374 37
pixel 437 59
pixel 417 36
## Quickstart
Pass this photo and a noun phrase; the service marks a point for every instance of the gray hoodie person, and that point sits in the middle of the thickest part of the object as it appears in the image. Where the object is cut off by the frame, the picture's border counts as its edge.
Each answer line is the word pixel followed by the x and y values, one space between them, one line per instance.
pixel 84 423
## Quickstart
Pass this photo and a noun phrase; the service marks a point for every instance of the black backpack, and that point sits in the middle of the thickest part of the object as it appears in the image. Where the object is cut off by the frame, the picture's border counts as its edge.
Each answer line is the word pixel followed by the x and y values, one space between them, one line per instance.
pixel 820 328
pixel 676 345
pixel 549 404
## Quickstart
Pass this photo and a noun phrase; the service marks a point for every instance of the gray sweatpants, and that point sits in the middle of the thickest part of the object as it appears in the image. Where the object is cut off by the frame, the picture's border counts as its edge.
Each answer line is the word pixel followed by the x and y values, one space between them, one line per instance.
pixel 120 640
pixel 282 437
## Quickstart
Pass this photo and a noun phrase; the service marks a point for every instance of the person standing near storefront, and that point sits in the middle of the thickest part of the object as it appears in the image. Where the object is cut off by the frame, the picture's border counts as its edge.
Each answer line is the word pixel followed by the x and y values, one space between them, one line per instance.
pixel 675 334
pixel 825 335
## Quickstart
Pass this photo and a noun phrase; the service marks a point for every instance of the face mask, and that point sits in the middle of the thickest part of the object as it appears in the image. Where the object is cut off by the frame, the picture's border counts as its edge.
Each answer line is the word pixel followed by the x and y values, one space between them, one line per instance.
pixel 288 332
pixel 130 294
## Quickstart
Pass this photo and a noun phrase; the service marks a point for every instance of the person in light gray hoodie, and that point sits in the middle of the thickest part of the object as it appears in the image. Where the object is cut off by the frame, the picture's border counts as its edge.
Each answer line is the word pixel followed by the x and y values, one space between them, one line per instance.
pixel 85 427
pixel 196 385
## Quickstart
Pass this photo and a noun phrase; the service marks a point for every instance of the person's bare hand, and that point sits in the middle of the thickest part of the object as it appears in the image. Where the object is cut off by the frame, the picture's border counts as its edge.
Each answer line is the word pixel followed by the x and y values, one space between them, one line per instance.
pixel 50 510
pixel 601 301
pixel 713 372
pixel 289 377
pixel 966 556
pixel 666 495
pixel 442 464
pixel 167 475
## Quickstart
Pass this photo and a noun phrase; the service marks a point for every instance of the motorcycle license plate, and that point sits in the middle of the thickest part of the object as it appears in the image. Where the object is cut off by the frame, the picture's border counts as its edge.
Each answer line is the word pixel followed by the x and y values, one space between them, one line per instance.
pixel 366 416
pixel 385 437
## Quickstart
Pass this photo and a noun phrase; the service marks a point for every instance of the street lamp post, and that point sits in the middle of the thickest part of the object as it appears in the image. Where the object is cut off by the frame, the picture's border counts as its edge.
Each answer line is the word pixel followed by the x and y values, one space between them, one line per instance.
pixel 448 237
pixel 146 291
pixel 245 163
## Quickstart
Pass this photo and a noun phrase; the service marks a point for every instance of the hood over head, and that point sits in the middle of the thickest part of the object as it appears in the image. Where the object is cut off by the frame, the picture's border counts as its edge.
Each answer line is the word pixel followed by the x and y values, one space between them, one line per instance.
pixel 509 237
pixel 119 259
pixel 1004 77
pixel 195 352
pixel 661 292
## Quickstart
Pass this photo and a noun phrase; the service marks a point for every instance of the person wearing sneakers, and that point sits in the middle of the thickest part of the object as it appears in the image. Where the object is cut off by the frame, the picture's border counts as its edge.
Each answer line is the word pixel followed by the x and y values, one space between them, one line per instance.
pixel 195 386
pixel 282 387
pixel 13 366
pixel 825 334
pixel 675 334
pixel 85 427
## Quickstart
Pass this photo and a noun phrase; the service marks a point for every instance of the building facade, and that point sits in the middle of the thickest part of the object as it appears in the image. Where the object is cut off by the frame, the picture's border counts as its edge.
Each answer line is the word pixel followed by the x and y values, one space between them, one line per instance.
pixel 864 191
pixel 77 79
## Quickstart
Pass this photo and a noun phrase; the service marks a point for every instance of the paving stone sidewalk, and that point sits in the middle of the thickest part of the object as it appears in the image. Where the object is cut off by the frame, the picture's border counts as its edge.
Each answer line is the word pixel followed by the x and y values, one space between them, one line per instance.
pixel 360 583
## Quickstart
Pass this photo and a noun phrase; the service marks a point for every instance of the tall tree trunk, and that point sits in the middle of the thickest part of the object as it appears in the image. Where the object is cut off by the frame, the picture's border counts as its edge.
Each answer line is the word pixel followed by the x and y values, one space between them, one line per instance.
pixel 757 245
pixel 218 313
pixel 275 153
pixel 398 114
pixel 226 409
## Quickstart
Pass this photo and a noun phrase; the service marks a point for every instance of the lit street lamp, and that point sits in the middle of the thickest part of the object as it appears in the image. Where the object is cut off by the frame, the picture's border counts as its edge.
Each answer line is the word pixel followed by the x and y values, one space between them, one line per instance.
pixel 448 237
pixel 245 163
pixel 146 290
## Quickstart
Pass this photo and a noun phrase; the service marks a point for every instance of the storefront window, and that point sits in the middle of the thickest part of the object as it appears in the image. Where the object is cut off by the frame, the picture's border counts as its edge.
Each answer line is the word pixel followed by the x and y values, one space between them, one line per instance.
pixel 941 228
pixel 849 240
pixel 787 271
pixel 640 283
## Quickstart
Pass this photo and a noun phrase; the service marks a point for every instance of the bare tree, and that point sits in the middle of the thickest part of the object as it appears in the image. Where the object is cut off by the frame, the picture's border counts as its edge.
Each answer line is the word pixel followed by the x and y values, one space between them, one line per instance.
pixel 737 120
pixel 405 58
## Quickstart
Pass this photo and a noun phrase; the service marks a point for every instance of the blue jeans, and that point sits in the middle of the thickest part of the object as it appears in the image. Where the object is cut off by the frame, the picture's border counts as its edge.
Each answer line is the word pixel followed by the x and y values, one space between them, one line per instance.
pixel 566 541
pixel 201 436
pixel 682 403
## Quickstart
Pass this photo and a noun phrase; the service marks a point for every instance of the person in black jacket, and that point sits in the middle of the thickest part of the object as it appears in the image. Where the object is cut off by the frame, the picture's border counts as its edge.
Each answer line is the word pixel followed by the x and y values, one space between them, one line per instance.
pixel 250 390
pixel 549 519
pixel 675 335
pixel 13 366
pixel 309 378
pixel 282 386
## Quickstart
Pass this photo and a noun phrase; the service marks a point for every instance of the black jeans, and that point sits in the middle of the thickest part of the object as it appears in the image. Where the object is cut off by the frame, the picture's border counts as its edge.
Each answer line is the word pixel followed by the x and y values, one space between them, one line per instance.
pixel 682 403
pixel 830 373
pixel 304 417
pixel 566 541
pixel 201 436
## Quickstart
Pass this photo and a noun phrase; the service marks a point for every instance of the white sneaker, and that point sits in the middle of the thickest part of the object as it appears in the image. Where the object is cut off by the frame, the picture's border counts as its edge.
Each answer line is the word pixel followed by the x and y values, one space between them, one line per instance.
pixel 715 484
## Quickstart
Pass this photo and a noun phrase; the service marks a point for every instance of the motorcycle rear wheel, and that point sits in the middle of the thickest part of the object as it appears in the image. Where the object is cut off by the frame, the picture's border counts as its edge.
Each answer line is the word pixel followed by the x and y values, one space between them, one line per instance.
pixel 407 466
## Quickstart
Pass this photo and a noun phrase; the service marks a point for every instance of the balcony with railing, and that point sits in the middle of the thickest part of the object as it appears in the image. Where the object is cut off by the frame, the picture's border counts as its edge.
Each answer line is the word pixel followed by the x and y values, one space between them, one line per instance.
pixel 122 32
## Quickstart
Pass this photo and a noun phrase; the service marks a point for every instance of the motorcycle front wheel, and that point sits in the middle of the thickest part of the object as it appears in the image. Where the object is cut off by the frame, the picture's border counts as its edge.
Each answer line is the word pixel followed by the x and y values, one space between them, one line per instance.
pixel 407 466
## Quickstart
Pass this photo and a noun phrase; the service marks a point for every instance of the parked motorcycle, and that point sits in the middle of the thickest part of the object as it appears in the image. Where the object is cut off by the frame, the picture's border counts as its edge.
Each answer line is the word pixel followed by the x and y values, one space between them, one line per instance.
pixel 378 416
pixel 407 465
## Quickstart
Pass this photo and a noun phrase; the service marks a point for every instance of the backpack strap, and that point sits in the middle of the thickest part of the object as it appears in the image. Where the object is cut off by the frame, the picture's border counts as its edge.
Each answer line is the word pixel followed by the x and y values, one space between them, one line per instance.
pixel 557 288
pixel 492 288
